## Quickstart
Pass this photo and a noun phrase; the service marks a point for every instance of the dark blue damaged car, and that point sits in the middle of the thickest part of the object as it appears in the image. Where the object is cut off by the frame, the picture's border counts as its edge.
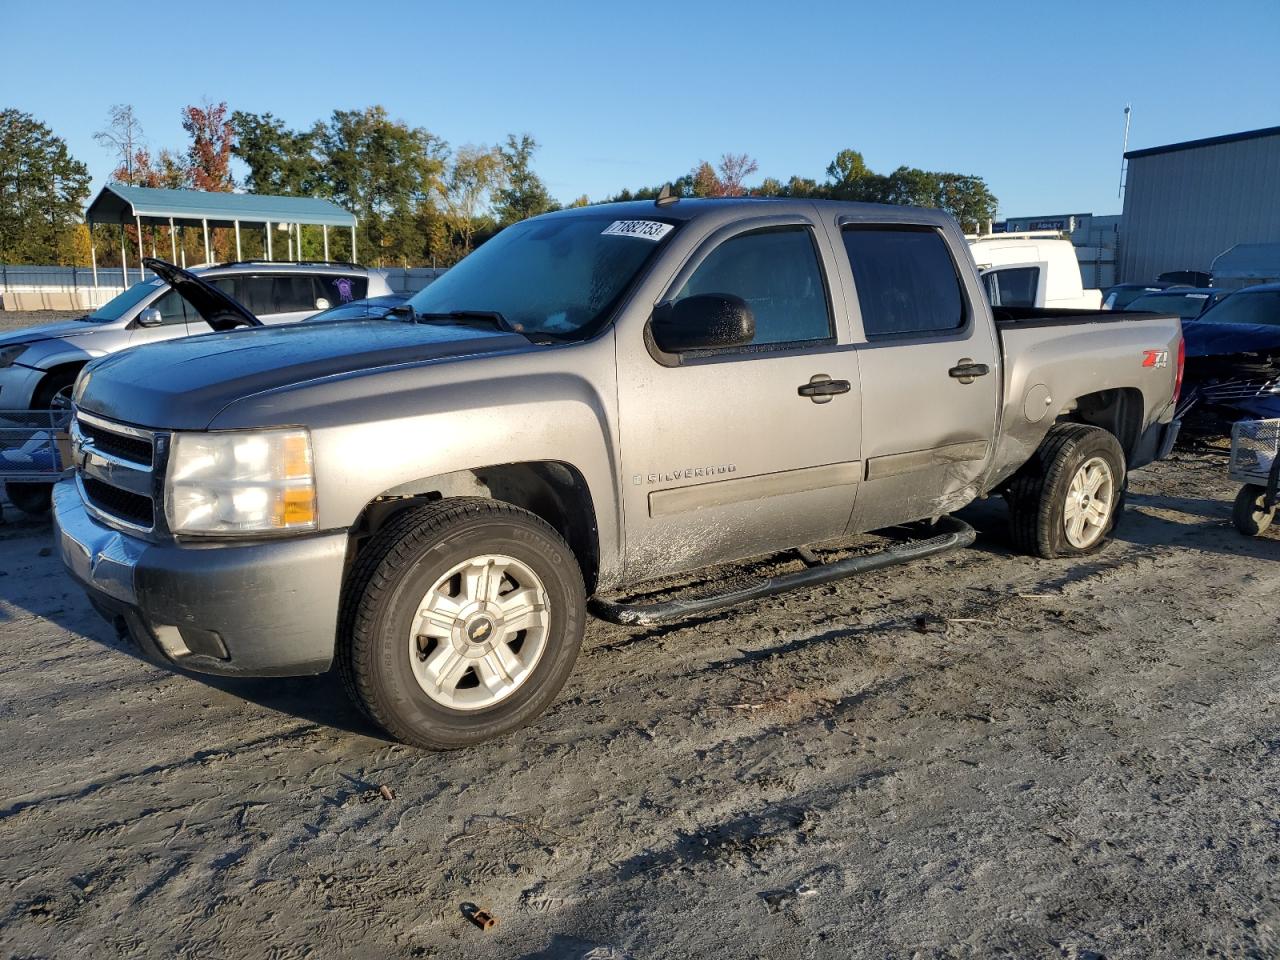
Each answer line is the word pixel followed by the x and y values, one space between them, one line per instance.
pixel 1233 360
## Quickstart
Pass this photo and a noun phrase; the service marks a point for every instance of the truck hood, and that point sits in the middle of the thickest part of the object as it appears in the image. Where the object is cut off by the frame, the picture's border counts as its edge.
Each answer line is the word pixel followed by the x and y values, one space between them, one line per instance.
pixel 183 384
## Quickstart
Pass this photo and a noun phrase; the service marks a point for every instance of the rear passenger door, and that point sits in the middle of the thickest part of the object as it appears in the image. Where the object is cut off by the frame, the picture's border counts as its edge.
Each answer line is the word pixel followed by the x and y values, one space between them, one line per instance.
pixel 930 368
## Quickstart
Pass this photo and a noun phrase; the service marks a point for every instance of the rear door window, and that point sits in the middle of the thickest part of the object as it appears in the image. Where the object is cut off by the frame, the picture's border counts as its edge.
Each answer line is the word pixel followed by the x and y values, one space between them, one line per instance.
pixel 776 271
pixel 907 283
pixel 293 294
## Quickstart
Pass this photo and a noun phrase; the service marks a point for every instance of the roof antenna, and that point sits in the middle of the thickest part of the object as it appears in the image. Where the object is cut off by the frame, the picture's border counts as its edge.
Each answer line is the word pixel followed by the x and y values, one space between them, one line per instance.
pixel 665 197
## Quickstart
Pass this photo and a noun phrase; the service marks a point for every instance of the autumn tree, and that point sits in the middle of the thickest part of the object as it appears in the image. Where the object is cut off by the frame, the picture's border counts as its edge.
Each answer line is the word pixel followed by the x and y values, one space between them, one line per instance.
pixel 732 173
pixel 209 153
pixel 42 191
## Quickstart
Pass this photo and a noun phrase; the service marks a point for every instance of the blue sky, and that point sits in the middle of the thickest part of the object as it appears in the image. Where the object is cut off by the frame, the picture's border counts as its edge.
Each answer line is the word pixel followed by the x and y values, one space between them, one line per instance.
pixel 1028 95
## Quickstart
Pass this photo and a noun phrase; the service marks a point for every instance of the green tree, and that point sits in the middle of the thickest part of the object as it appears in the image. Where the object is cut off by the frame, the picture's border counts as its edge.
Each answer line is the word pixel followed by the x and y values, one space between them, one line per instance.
pixel 42 191
pixel 522 193
pixel 473 176
pixel 280 160
pixel 383 171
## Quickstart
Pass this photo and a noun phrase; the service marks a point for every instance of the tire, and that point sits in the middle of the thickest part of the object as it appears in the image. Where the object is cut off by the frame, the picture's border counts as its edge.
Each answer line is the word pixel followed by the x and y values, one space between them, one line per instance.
pixel 1249 515
pixel 55 390
pixel 1042 492
pixel 454 680
pixel 35 499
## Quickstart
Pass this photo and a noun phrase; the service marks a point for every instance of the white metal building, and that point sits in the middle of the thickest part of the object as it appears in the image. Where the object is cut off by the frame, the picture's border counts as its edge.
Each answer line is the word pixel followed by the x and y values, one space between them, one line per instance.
pixel 1185 203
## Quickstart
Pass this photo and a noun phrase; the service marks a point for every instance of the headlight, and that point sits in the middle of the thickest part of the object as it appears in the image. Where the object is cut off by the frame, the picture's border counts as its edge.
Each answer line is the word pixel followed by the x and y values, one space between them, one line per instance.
pixel 11 353
pixel 240 483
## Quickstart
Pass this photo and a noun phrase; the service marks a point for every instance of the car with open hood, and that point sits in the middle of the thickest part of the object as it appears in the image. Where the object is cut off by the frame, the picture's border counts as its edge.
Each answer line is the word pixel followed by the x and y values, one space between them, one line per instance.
pixel 39 364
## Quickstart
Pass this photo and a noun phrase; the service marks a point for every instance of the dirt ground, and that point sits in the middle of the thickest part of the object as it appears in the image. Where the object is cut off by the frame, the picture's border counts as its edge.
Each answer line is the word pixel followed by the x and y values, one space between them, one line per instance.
pixel 979 756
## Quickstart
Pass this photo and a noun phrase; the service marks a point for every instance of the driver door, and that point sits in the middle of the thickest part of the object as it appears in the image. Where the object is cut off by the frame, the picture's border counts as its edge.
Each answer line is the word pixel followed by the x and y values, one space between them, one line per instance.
pixel 723 456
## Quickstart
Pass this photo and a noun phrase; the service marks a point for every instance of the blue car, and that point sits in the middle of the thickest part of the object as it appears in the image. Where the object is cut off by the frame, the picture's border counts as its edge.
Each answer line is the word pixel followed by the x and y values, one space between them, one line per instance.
pixel 1233 359
pixel 373 308
pixel 1186 302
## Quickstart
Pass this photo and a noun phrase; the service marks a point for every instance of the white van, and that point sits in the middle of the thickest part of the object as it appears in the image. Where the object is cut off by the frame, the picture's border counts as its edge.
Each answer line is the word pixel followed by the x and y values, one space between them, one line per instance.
pixel 1037 269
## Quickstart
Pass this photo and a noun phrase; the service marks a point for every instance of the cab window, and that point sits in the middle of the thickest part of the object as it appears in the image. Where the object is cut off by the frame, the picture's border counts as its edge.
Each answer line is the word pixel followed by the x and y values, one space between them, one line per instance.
pixel 776 271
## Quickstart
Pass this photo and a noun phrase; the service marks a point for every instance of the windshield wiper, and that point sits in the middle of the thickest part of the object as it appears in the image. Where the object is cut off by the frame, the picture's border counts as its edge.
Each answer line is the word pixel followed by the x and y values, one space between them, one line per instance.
pixel 490 318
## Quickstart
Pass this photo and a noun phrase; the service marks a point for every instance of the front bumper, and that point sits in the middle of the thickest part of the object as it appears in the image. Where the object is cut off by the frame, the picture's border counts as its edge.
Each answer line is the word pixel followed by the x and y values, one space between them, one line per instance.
pixel 264 609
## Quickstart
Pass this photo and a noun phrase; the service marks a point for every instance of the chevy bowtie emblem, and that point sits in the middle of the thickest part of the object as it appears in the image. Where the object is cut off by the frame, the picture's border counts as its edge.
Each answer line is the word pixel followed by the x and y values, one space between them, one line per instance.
pixel 479 630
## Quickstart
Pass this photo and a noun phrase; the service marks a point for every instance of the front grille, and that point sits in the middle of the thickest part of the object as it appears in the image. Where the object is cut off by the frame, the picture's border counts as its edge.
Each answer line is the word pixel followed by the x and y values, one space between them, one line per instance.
pixel 134 449
pixel 116 466
pixel 132 507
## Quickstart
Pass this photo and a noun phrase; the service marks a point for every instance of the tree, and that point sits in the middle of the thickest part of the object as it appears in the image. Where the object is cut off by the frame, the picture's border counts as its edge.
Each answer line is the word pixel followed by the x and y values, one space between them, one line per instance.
pixel 734 168
pixel 383 171
pixel 473 175
pixel 42 190
pixel 209 154
pixel 280 160
pixel 123 135
pixel 522 193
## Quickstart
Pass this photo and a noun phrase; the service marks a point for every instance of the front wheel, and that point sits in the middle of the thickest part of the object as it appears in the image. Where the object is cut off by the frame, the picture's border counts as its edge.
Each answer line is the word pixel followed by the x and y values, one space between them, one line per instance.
pixel 461 622
pixel 1250 513
pixel 1065 501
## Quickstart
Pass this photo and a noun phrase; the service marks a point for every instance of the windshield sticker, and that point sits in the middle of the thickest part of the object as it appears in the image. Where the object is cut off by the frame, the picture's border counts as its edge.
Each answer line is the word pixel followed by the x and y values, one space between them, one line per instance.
pixel 644 229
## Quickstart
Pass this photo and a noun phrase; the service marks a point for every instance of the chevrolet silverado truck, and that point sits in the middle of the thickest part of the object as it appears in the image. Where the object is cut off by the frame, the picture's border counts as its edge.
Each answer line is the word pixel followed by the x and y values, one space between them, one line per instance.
pixel 594 398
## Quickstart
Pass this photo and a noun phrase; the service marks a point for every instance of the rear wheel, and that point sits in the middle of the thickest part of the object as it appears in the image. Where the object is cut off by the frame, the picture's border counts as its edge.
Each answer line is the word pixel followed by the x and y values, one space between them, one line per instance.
pixel 461 622
pixel 1065 501
pixel 1250 514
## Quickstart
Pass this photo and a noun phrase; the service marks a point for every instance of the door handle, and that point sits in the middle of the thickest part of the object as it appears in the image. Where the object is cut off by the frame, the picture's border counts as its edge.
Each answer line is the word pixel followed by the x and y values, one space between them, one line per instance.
pixel 966 370
pixel 821 388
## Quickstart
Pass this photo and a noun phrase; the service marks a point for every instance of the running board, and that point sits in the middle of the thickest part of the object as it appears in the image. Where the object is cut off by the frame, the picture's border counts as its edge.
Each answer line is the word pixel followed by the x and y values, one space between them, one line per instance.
pixel 955 534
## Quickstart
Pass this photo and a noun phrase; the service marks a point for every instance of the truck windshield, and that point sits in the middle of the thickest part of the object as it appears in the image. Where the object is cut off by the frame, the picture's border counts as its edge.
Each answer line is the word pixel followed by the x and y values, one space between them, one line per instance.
pixel 557 278
pixel 117 306
pixel 1246 307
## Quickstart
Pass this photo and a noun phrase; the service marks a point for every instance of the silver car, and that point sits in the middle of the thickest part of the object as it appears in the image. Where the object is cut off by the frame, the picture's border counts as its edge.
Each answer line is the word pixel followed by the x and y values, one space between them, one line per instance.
pixel 38 365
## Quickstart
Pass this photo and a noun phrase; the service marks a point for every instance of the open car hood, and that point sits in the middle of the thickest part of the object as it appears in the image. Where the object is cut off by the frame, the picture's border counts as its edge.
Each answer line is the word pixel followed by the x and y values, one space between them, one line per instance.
pixel 216 308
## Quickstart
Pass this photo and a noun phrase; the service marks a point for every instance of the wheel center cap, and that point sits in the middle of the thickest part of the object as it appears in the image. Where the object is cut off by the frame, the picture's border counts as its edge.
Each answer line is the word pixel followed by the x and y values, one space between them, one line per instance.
pixel 479 629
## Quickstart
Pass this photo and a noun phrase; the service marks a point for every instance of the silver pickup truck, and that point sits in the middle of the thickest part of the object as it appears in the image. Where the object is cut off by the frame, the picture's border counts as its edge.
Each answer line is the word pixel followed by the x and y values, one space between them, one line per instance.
pixel 594 398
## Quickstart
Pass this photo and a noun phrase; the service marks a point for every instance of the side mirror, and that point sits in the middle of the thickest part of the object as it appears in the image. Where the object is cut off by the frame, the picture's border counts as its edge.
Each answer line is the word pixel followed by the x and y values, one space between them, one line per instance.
pixel 151 317
pixel 704 322
pixel 322 304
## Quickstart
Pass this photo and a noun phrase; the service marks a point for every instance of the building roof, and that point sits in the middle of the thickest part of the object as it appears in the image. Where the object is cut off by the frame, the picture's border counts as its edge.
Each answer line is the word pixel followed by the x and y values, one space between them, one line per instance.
pixel 118 203
pixel 1206 142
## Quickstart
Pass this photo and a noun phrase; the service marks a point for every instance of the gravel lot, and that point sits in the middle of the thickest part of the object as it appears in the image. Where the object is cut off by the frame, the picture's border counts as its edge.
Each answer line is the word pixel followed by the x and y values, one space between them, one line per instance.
pixel 17 319
pixel 982 755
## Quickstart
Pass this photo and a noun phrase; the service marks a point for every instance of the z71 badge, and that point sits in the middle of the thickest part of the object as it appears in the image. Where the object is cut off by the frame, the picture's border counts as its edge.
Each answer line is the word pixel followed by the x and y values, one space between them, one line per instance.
pixel 1155 358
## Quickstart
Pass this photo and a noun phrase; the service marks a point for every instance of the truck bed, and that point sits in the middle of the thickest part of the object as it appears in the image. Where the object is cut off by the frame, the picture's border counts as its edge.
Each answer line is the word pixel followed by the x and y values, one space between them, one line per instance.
pixel 1050 317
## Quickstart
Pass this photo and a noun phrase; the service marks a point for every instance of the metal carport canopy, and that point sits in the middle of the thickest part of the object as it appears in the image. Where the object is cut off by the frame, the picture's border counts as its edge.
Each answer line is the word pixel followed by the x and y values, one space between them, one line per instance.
pixel 123 204
pixel 118 203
